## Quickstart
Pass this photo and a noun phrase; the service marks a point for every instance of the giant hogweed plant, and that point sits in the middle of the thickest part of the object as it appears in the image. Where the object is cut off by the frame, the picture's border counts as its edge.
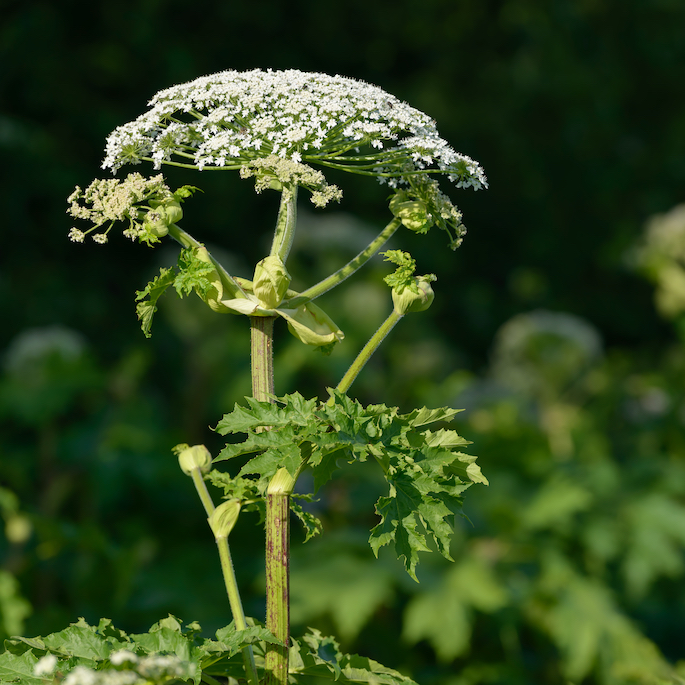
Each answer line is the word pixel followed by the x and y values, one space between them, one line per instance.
pixel 279 129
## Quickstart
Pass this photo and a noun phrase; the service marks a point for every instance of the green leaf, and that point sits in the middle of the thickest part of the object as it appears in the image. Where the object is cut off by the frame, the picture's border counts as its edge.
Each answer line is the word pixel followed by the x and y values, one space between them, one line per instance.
pixel 18 668
pixel 193 274
pixel 146 308
pixel 403 276
pixel 312 524
pixel 426 476
pixel 234 640
pixel 318 656
pixel 184 192
pixel 79 640
pixel 163 640
pixel 290 409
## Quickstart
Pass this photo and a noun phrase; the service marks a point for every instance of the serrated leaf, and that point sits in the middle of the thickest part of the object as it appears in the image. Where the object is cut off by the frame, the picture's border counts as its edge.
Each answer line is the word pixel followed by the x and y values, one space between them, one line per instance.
pixel 444 438
pixel 18 668
pixel 163 640
pixel 295 410
pixel 193 274
pixel 318 656
pixel 424 416
pixel 19 645
pixel 234 640
pixel 243 489
pixel 78 640
pixel 426 477
pixel 312 524
pixel 185 192
pixel 146 308
pixel 287 455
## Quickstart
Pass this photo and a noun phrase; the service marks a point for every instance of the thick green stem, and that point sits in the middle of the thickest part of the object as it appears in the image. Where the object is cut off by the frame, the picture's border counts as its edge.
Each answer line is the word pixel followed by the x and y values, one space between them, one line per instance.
pixel 285 224
pixel 368 350
pixel 346 271
pixel 229 577
pixel 262 331
pixel 277 517
pixel 278 575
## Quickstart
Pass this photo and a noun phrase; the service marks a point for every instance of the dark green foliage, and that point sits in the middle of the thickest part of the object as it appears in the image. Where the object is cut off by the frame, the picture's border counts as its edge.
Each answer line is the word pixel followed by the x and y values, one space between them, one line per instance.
pixel 170 652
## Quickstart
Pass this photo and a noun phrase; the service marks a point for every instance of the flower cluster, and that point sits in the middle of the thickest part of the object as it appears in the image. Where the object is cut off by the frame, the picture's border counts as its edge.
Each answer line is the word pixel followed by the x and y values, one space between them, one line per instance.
pixel 276 172
pixel 147 204
pixel 661 257
pixel 153 668
pixel 228 119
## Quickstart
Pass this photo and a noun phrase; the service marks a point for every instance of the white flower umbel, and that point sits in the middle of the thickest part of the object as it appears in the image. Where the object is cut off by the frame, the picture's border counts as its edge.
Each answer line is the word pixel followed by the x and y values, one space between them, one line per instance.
pixel 227 120
pixel 45 665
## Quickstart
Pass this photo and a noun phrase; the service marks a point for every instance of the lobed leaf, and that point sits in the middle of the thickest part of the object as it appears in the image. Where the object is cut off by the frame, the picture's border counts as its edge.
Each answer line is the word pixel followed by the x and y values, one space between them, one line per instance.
pixel 425 473
pixel 146 308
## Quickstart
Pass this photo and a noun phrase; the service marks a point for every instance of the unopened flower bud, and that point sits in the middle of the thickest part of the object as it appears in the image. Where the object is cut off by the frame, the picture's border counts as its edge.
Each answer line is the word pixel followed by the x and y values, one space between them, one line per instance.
pixel 161 216
pixel 412 213
pixel 271 281
pixel 224 517
pixel 195 457
pixel 408 299
pixel 282 483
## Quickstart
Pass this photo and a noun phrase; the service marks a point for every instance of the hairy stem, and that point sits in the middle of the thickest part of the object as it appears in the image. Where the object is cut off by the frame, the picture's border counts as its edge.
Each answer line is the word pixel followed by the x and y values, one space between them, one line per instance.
pixel 367 351
pixel 346 271
pixel 261 336
pixel 277 517
pixel 278 575
pixel 229 577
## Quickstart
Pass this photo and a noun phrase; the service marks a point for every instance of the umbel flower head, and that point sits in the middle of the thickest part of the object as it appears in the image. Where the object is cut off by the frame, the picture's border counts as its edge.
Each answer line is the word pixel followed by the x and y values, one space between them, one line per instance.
pixel 237 120
pixel 231 118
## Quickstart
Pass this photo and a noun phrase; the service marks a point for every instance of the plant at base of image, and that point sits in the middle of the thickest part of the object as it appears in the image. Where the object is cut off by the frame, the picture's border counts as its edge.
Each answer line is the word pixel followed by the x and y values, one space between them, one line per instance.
pixel 277 128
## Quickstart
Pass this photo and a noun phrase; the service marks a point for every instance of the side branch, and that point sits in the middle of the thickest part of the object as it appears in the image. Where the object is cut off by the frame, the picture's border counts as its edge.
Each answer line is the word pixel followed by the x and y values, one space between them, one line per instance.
pixel 346 271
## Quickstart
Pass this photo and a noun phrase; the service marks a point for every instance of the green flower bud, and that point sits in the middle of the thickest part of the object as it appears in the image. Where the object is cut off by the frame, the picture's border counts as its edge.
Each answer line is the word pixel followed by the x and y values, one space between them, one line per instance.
pixel 417 299
pixel 161 216
pixel 224 517
pixel 271 281
pixel 281 484
pixel 412 213
pixel 196 457
pixel 169 209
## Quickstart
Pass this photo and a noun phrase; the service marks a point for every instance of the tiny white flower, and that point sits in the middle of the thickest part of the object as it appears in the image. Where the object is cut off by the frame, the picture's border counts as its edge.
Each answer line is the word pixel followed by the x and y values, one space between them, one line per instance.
pixel 45 665
pixel 76 236
pixel 81 675
pixel 123 656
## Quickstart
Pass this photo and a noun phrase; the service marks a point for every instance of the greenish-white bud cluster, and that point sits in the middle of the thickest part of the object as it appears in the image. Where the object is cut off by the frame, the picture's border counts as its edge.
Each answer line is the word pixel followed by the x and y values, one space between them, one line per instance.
pixel 414 299
pixel 195 457
pixel 147 204
pixel 224 517
pixel 275 173
pixel 271 281
pixel 409 293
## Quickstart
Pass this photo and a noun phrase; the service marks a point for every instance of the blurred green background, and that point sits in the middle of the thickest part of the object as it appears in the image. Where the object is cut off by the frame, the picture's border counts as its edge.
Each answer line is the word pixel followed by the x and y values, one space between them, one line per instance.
pixel 571 565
